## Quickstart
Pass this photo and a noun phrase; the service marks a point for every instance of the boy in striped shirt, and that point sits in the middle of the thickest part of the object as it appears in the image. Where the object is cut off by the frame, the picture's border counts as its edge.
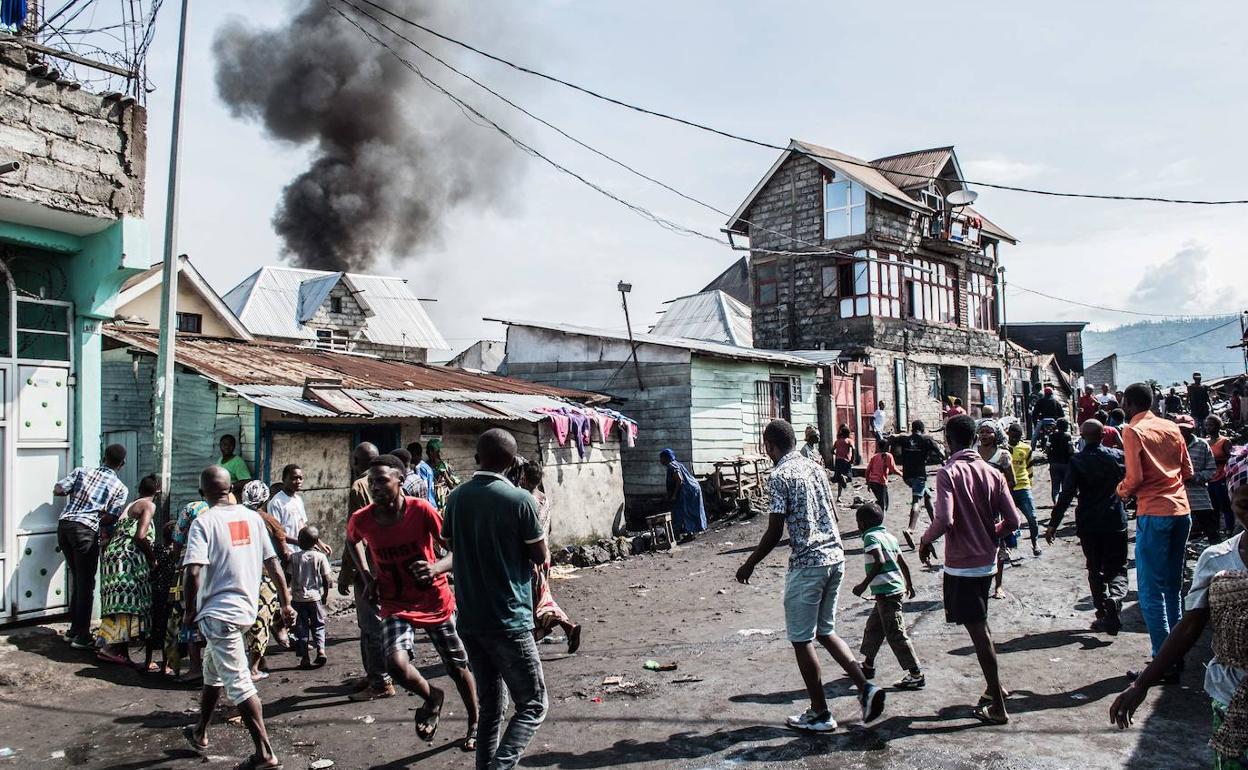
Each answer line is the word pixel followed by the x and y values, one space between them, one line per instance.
pixel 888 577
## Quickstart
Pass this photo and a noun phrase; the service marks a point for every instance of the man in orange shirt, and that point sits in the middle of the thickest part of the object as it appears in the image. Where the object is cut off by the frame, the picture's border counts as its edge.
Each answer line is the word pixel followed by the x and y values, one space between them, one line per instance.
pixel 1157 465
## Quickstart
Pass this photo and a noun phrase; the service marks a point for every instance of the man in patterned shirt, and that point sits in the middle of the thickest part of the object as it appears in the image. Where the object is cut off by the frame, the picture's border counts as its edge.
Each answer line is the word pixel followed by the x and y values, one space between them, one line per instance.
pixel 801 500
pixel 96 498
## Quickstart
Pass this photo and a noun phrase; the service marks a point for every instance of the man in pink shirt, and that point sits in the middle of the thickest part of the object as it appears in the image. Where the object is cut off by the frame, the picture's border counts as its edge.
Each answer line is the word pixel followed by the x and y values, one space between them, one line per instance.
pixel 974 510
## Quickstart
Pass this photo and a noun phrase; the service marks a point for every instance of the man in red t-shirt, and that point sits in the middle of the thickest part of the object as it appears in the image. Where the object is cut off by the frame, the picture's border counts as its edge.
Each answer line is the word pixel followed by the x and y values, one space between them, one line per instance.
pixel 1087 405
pixel 402 535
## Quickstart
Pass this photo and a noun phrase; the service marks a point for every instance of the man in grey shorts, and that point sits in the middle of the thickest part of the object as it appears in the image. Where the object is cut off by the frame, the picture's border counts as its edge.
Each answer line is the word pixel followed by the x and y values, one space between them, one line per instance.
pixel 801 500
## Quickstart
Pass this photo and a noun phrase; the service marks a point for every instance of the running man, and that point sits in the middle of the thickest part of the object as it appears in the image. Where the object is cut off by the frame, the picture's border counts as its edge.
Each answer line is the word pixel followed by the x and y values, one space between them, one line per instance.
pixel 915 448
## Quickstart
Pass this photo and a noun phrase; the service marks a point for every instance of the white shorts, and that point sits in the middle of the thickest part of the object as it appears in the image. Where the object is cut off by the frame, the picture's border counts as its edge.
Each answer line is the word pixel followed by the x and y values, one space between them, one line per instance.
pixel 225 659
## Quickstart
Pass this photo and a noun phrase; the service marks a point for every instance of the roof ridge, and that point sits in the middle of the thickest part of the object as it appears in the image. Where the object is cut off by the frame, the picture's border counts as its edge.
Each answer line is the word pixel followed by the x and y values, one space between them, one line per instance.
pixel 948 148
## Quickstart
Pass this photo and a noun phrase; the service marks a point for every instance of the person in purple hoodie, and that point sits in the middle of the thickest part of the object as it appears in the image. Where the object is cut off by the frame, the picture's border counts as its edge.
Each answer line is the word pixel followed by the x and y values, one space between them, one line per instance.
pixel 973 509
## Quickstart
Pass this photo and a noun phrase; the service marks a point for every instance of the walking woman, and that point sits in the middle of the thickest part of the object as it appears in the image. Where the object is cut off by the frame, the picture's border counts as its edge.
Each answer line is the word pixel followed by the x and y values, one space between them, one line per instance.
pixel 547 614
pixel 125 578
pixel 685 495
pixel 990 440
pixel 255 495
pixel 180 640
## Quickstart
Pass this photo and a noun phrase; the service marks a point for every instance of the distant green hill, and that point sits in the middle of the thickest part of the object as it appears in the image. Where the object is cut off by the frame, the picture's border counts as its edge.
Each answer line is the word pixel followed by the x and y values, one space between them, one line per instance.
pixel 1206 354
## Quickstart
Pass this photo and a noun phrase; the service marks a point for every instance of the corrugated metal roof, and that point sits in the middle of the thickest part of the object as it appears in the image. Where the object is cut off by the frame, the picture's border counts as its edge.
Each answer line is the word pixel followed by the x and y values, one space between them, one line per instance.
pixel 712 349
pixel 861 171
pixel 268 302
pixel 231 363
pixel 989 228
pixel 912 169
pixel 710 315
pixel 466 405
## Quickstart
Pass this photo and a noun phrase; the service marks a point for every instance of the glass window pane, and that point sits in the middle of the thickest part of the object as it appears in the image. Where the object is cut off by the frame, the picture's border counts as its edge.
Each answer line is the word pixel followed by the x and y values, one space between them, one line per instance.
pixel 836 225
pixel 835 195
pixel 860 277
pixel 829 281
pixel 857 194
pixel 45 347
pixel 873 271
pixel 893 283
pixel 847 308
pixel 896 308
pixel 858 220
pixel 860 307
pixel 40 317
pixel 875 305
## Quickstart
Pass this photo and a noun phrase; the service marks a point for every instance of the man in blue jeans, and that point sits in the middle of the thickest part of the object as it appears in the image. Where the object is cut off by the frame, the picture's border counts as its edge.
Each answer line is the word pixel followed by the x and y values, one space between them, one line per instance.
pixel 801 499
pixel 1157 465
pixel 492 529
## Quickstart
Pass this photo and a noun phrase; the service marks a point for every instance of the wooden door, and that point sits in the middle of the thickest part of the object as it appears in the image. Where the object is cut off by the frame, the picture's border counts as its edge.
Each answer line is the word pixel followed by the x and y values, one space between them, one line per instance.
pixel 866 410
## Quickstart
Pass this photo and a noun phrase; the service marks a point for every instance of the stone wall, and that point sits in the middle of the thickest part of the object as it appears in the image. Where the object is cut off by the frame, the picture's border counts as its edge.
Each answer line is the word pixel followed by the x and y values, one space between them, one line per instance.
pixel 80 153
pixel 352 319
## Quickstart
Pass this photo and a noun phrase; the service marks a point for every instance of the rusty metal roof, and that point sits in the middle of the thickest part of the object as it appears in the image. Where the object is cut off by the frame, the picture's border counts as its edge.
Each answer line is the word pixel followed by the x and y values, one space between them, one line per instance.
pixel 447 405
pixel 908 170
pixel 234 363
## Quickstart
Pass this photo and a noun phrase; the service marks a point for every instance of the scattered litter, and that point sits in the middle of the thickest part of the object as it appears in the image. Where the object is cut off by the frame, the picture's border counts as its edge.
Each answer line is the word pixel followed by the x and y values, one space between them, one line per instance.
pixel 654 665
pixel 756 632
pixel 721 592
pixel 366 719
pixel 729 542
pixel 612 680
pixel 596 699
pixel 563 572
pixel 1055 660
pixel 235 720
pixel 554 639
pixel 6 752
pixel 1079 696
pixel 686 679
pixel 58 754
pixel 636 586
pixel 321 764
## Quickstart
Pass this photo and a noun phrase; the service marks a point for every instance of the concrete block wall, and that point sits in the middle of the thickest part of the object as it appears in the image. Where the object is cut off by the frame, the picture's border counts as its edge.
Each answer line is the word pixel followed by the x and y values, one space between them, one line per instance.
pixel 352 319
pixel 80 153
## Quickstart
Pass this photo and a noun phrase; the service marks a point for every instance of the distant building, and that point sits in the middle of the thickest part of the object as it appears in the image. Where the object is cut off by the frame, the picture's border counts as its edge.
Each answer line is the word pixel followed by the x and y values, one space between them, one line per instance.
pixel 344 312
pixel 72 169
pixel 481 356
pixel 713 315
pixel 1062 339
pixel 199 308
pixel 1103 372
pixel 881 261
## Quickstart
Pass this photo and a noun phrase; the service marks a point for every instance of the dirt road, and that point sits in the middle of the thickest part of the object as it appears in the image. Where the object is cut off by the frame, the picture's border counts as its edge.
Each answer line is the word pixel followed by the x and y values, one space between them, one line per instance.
pixel 59 709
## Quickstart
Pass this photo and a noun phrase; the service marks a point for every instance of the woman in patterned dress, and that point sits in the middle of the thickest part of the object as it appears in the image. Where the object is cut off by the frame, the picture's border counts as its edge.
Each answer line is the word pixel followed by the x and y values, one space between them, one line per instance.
pixel 177 639
pixel 547 615
pixel 125 578
pixel 255 495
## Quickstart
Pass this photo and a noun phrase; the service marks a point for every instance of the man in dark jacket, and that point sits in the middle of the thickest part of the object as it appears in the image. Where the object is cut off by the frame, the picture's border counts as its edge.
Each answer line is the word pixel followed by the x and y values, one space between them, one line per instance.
pixel 1046 407
pixel 1100 523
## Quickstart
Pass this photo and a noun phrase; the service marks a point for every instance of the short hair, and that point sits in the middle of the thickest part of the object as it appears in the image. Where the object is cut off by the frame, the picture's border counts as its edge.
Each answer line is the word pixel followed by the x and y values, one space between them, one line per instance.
pixel 1063 424
pixel 366 449
pixel 416 449
pixel 1138 395
pixel 309 536
pixel 403 455
pixel 149 485
pixel 229 436
pixel 532 473
pixel 869 514
pixel 779 433
pixel 842 432
pixel 961 429
pixel 496 448
pixel 957 401
pixel 1101 415
pixel 1118 413
pixel 288 469
pixel 214 478
pixel 1216 420
pixel 1015 427
pixel 917 426
pixel 1092 431
pixel 388 462
pixel 114 454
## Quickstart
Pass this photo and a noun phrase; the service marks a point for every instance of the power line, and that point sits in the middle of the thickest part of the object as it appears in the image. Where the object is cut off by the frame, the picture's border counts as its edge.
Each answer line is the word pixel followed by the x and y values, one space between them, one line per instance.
pixel 1114 309
pixel 783 148
pixel 1184 339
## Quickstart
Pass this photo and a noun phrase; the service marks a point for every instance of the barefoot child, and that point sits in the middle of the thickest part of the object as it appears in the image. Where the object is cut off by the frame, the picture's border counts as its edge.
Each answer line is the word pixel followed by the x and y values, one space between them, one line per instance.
pixel 310 582
pixel 888 577
pixel 879 468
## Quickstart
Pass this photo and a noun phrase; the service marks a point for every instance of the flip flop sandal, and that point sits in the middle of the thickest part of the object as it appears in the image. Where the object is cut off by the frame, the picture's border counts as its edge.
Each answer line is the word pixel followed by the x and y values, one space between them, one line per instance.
pixel 986 699
pixel 426 722
pixel 252 763
pixel 469 744
pixel 259 676
pixel 188 733
pixel 981 713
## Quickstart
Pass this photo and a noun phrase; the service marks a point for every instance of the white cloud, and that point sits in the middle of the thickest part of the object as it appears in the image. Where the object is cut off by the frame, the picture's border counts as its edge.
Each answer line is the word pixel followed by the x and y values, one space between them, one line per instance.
pixel 1001 170
pixel 1183 284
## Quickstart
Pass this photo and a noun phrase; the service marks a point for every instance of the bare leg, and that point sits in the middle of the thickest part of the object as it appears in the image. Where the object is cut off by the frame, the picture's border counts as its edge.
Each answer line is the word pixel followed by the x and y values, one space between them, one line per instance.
pixel 986 652
pixel 467 687
pixel 996 592
pixel 253 718
pixel 208 698
pixel 808 665
pixel 844 657
pixel 399 664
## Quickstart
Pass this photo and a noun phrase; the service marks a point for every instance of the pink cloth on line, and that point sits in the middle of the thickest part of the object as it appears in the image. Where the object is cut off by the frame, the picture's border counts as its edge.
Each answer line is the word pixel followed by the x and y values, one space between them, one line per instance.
pixel 560 424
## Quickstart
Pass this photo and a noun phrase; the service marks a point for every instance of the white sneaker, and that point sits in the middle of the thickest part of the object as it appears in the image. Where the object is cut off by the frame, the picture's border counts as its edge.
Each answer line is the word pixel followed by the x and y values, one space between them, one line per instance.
pixel 812 721
pixel 872 701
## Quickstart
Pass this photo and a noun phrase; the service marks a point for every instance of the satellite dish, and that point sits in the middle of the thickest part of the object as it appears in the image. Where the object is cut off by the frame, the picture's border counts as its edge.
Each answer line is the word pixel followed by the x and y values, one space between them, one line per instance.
pixel 961 197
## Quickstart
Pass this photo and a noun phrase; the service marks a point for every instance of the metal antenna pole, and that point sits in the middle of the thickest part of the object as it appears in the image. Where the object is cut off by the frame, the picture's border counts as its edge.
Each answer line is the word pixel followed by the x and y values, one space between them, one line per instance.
pixel 624 289
pixel 1005 335
pixel 165 372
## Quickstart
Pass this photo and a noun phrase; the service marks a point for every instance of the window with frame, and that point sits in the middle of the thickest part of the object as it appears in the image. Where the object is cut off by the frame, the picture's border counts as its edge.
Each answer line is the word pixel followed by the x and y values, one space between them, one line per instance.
pixel 43 330
pixel 191 323
pixel 772 401
pixel 870 285
pixel 981 302
pixel 767 284
pixel 333 339
pixel 335 304
pixel 929 291
pixel 844 208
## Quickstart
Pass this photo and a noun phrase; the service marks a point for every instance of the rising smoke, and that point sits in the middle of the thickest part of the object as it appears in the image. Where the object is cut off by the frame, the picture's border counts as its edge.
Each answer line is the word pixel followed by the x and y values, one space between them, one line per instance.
pixel 391 157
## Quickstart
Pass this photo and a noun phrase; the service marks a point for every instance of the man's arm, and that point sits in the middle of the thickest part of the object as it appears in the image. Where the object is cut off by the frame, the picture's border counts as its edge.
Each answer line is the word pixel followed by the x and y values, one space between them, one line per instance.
pixel 66 485
pixel 1134 477
pixel 1208 467
pixel 905 573
pixel 1185 463
pixel 942 505
pixel 190 593
pixel 1069 488
pixel 1180 641
pixel 770 539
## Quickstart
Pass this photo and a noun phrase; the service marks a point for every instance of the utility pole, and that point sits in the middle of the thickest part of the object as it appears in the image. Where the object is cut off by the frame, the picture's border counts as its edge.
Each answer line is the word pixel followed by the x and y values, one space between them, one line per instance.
pixel 169 290
pixel 1005 335
pixel 624 289
pixel 1243 337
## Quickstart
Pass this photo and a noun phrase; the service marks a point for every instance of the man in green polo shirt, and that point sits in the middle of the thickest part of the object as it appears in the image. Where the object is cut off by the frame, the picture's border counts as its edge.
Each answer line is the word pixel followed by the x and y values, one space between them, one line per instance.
pixel 492 529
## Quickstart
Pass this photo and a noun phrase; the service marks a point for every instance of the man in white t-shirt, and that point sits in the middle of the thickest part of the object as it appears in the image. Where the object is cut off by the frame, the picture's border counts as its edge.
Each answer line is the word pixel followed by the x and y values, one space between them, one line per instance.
pixel 227 552
pixel 879 420
pixel 287 507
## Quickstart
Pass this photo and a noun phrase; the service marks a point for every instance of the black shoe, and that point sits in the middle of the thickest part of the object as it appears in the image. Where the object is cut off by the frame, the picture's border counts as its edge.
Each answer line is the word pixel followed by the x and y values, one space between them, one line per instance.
pixel 868 671
pixel 1112 623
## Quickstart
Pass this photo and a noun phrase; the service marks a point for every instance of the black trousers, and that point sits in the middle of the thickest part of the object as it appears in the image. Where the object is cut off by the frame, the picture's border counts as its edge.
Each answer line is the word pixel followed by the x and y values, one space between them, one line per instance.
pixel 1106 557
pixel 81 547
pixel 881 494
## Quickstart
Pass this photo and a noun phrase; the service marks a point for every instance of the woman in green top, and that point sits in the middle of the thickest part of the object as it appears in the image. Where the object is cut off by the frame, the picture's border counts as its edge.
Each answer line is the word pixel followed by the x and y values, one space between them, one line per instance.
pixel 444 478
pixel 125 584
pixel 237 466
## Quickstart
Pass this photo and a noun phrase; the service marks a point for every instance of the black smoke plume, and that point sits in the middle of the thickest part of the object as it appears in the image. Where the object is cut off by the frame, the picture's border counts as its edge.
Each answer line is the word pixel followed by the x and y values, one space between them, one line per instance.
pixel 391 157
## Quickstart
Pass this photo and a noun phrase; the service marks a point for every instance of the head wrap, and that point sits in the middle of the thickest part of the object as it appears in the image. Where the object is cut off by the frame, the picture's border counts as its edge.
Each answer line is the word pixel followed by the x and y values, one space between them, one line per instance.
pixel 255 494
pixel 997 430
pixel 667 455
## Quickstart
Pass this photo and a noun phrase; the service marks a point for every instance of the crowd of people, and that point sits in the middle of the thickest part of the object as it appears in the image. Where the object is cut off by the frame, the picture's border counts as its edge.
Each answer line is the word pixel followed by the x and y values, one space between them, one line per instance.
pixel 466 562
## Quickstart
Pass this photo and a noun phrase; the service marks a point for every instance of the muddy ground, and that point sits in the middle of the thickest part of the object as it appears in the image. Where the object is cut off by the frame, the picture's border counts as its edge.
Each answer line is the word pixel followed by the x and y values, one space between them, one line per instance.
pixel 59 708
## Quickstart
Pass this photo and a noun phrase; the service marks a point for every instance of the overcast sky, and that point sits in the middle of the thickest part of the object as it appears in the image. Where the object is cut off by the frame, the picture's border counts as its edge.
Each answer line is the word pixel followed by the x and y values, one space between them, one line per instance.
pixel 1143 98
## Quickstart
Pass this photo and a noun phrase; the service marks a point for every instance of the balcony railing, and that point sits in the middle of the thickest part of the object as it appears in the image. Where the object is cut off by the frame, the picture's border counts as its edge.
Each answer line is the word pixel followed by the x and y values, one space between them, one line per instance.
pixel 954 231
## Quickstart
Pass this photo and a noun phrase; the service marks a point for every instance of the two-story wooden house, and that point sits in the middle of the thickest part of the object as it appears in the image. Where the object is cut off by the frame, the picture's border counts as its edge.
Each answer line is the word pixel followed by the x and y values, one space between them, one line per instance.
pixel 871 258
